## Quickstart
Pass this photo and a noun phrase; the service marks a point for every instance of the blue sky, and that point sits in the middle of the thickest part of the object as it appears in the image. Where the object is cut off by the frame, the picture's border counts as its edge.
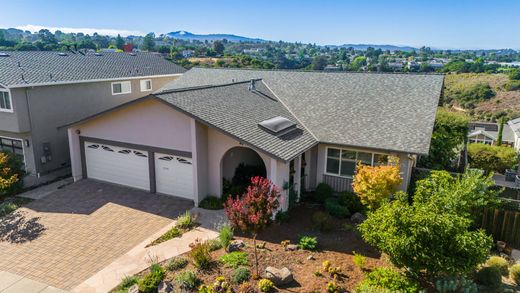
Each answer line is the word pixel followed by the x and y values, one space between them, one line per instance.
pixel 439 24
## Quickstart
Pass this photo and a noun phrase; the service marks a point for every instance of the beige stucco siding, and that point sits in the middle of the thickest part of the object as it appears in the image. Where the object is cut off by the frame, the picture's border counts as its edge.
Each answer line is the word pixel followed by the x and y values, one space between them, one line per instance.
pixel 148 122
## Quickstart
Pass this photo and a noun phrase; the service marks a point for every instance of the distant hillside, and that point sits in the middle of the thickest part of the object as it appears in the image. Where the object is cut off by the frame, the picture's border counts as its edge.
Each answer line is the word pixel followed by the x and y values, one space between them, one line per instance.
pixel 363 47
pixel 184 35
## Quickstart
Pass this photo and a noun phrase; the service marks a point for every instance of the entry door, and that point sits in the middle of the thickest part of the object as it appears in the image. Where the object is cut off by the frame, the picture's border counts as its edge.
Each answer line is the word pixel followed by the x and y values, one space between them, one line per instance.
pixel 174 175
pixel 119 165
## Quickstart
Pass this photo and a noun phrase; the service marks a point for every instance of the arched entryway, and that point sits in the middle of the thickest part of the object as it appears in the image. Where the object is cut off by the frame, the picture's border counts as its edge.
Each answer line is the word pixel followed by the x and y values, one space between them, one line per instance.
pixel 237 167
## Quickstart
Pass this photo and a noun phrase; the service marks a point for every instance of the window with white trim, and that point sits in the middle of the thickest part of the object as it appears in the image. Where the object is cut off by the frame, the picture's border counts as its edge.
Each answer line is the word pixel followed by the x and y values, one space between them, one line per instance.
pixel 6 104
pixel 342 162
pixel 121 87
pixel 14 146
pixel 146 85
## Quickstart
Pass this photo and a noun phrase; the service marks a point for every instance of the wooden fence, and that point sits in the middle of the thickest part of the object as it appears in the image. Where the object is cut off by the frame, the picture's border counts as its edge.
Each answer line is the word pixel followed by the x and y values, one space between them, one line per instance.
pixel 502 224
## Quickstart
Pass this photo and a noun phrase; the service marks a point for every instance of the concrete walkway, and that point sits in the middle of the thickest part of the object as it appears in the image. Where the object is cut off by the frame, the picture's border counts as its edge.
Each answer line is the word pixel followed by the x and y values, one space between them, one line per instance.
pixel 11 283
pixel 140 257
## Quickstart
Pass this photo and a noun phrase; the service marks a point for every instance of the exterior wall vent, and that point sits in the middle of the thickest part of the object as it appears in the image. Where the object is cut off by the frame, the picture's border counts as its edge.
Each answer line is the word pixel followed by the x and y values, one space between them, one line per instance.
pixel 278 125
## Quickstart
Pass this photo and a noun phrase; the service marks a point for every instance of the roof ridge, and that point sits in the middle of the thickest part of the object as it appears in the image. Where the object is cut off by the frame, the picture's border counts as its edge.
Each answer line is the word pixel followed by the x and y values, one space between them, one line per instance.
pixel 318 71
pixel 203 87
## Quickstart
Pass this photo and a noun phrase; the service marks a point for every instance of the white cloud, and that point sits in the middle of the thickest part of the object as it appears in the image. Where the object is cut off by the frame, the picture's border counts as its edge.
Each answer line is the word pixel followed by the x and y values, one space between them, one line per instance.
pixel 90 31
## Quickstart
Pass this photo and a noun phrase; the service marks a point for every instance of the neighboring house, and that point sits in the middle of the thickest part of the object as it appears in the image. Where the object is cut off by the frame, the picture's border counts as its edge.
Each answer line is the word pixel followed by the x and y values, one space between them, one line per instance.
pixel 487 133
pixel 40 91
pixel 301 128
pixel 515 128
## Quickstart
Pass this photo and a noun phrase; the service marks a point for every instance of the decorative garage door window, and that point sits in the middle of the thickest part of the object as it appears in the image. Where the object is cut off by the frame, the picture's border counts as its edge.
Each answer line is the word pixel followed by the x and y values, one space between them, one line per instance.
pixel 11 145
pixel 122 151
pixel 180 160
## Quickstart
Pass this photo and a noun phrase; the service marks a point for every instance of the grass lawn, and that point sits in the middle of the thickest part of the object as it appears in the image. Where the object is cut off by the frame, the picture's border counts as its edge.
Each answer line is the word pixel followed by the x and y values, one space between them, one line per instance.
pixel 336 246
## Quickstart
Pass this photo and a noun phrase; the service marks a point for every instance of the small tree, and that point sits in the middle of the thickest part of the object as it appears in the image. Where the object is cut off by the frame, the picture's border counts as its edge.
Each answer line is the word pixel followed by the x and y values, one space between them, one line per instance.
pixel 375 184
pixel 434 236
pixel 254 211
pixel 11 174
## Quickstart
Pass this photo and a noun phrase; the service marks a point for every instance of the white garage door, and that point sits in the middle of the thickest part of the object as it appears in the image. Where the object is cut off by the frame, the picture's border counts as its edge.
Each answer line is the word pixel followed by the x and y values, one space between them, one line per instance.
pixel 174 175
pixel 118 165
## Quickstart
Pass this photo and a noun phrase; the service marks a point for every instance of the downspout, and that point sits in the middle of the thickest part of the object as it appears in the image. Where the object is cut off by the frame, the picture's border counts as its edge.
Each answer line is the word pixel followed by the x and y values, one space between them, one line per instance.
pixel 26 90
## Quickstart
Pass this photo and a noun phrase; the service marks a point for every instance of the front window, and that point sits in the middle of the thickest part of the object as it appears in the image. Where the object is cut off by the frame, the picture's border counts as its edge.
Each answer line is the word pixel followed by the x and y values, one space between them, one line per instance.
pixel 14 146
pixel 146 85
pixel 123 87
pixel 5 102
pixel 342 162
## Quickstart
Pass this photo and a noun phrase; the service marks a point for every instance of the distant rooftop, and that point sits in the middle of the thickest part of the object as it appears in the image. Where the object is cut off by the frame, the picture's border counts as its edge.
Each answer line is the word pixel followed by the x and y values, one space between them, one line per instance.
pixel 28 68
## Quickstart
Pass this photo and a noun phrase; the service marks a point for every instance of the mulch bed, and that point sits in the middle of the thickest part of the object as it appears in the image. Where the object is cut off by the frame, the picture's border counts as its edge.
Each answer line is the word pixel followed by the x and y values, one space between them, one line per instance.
pixel 336 246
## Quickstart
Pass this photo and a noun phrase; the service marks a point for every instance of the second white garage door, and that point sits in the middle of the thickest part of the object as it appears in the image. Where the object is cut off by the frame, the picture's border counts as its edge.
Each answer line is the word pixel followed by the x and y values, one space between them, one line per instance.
pixel 123 166
pixel 174 175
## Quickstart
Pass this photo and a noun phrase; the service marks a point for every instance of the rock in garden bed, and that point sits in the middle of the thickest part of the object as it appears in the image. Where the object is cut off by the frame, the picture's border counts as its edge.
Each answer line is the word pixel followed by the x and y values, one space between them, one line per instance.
pixel 279 277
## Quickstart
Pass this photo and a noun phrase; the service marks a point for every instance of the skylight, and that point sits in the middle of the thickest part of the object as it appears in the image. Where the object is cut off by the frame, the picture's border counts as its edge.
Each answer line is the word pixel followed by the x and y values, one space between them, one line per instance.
pixel 278 125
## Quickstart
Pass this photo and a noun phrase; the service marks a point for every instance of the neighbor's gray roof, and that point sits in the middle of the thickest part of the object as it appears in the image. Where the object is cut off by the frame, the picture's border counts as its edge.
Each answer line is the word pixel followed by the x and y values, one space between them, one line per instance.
pixel 23 68
pixel 515 125
pixel 236 111
pixel 487 128
pixel 393 112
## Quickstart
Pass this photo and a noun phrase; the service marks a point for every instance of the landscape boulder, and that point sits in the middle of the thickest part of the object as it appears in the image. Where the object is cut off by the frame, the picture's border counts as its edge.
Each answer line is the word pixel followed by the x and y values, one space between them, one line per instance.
pixel 279 277
pixel 133 289
pixel 165 287
pixel 292 247
pixel 236 245
pixel 357 218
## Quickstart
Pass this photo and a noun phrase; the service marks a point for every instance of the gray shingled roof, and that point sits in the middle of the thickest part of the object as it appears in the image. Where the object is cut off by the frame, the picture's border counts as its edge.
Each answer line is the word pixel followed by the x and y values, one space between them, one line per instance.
pixel 393 112
pixel 477 128
pixel 41 67
pixel 236 111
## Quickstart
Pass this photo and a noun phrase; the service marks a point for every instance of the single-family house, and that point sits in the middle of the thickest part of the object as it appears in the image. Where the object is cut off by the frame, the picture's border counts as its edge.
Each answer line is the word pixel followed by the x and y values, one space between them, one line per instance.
pixel 297 128
pixel 487 133
pixel 40 91
pixel 515 128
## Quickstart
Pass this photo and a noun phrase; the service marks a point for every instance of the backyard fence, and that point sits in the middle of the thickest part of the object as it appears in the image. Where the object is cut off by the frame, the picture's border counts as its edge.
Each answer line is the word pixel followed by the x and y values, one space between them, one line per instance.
pixel 502 224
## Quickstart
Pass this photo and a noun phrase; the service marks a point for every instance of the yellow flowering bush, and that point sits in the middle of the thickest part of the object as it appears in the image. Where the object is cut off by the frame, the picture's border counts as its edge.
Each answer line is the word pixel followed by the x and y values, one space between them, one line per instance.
pixel 10 174
pixel 373 184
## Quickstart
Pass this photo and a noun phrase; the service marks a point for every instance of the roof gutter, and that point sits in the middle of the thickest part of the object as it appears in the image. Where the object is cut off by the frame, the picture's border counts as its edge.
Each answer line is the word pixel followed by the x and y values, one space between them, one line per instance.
pixel 89 80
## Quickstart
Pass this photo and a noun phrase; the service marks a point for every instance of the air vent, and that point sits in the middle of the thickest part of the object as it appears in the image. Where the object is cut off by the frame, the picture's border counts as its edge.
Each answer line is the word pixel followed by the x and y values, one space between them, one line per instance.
pixel 98 54
pixel 132 54
pixel 278 125
pixel 4 55
pixel 62 54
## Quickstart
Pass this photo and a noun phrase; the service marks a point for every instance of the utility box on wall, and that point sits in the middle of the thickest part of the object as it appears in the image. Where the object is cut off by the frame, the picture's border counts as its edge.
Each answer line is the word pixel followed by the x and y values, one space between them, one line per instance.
pixel 47 152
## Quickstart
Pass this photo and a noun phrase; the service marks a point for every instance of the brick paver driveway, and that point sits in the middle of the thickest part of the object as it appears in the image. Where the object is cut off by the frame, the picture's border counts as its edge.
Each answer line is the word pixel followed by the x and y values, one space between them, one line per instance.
pixel 71 234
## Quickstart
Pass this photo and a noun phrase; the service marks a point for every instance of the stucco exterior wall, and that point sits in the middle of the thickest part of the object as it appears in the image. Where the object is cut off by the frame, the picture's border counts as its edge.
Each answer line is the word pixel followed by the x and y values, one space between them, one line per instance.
pixel 406 163
pixel 149 122
pixel 18 120
pixel 41 110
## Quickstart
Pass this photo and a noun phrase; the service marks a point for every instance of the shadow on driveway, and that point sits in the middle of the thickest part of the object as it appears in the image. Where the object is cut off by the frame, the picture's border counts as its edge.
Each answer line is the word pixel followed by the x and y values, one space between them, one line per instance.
pixel 17 228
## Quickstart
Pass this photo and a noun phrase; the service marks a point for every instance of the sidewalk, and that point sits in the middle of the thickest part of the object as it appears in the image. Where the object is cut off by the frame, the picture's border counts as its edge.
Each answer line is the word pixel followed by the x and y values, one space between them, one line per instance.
pixel 11 283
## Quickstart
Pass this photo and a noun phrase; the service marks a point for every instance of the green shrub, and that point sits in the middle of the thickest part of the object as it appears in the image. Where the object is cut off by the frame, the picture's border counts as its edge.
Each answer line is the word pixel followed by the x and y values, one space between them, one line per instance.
pixel 211 203
pixel 187 280
pixel 265 285
pixel 225 235
pixel 127 282
pixel 241 275
pixel 490 277
pixel 514 273
pixel 454 284
pixel 308 242
pixel 11 174
pixel 322 192
pixel 185 221
pixel 282 217
pixel 359 260
pixel 335 209
pixel 322 221
pixel 513 85
pixel 214 244
pixel 491 158
pixel 351 201
pixel 385 279
pixel 500 263
pixel 176 263
pixel 201 256
pixel 469 96
pixel 150 281
pixel 234 259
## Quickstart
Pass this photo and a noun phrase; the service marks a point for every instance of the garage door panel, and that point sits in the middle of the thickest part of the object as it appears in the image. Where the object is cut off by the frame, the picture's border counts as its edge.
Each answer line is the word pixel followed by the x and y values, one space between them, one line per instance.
pixel 118 165
pixel 174 175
